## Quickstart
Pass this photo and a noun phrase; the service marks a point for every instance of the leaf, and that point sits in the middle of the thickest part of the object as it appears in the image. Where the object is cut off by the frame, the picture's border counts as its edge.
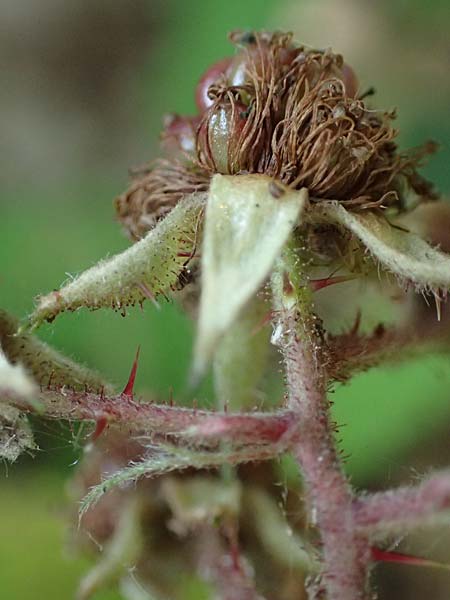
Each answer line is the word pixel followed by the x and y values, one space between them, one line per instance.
pixel 150 267
pixel 405 254
pixel 248 219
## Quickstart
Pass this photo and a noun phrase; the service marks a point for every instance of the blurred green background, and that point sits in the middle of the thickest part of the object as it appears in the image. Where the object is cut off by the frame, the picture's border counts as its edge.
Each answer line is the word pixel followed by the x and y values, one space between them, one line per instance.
pixel 84 87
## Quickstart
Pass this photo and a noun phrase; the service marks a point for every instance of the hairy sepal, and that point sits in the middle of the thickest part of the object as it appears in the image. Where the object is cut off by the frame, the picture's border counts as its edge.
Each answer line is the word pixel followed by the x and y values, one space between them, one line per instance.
pixel 150 267
pixel 412 260
pixel 48 368
pixel 165 459
pixel 248 220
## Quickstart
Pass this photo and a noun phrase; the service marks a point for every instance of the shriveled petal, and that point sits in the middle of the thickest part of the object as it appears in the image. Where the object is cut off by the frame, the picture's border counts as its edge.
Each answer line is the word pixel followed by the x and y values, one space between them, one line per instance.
pixel 404 254
pixel 248 219
pixel 15 433
pixel 151 267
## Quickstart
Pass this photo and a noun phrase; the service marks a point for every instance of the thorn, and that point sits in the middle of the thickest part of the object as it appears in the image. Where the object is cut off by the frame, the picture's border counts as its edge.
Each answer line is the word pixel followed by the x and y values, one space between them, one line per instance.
pixel 266 319
pixel 100 426
pixel 187 255
pixel 128 390
pixel 318 284
pixel 148 294
pixel 438 301
pixel 406 559
pixel 357 323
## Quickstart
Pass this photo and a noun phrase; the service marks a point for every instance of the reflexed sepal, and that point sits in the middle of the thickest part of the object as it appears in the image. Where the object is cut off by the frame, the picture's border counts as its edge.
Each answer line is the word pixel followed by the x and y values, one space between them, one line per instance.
pixel 150 267
pixel 411 259
pixel 47 367
pixel 166 459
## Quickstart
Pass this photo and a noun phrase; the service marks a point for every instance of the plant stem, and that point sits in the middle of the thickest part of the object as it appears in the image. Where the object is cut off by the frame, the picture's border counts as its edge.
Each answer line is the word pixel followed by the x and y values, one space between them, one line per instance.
pixel 346 554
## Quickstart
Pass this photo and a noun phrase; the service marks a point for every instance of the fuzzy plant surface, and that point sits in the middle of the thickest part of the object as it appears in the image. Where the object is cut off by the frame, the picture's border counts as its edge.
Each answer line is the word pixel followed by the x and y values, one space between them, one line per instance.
pixel 284 183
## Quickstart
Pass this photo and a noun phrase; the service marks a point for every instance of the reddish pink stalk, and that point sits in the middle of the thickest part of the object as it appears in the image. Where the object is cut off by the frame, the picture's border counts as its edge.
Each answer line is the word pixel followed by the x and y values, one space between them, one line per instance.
pixel 346 553
pixel 400 510
pixel 193 425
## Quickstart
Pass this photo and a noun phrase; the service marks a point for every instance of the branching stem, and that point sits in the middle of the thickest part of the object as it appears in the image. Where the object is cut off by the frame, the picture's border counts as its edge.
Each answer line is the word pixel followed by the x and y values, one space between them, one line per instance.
pixel 346 554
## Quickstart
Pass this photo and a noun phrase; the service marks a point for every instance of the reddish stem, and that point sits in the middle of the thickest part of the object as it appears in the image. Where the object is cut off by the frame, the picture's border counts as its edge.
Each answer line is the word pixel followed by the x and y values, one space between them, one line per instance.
pixel 346 553
pixel 190 424
pixel 400 510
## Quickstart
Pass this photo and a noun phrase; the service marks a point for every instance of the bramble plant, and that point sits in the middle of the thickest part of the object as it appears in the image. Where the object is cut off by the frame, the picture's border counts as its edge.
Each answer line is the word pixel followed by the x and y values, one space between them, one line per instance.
pixel 285 183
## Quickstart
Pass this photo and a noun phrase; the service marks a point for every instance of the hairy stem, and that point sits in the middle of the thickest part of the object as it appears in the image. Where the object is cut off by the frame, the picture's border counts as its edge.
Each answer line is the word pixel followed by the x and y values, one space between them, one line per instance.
pixel 346 555
pixel 400 510
pixel 147 418
pixel 352 352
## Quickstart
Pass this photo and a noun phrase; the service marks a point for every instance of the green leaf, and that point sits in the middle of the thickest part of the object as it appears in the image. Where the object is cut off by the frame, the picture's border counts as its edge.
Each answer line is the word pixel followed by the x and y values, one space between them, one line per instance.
pixel 150 267
pixel 404 254
pixel 248 220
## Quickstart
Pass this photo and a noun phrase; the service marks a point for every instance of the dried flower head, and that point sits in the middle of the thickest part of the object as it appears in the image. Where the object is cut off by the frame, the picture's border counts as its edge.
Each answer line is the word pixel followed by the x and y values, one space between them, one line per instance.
pixel 286 111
